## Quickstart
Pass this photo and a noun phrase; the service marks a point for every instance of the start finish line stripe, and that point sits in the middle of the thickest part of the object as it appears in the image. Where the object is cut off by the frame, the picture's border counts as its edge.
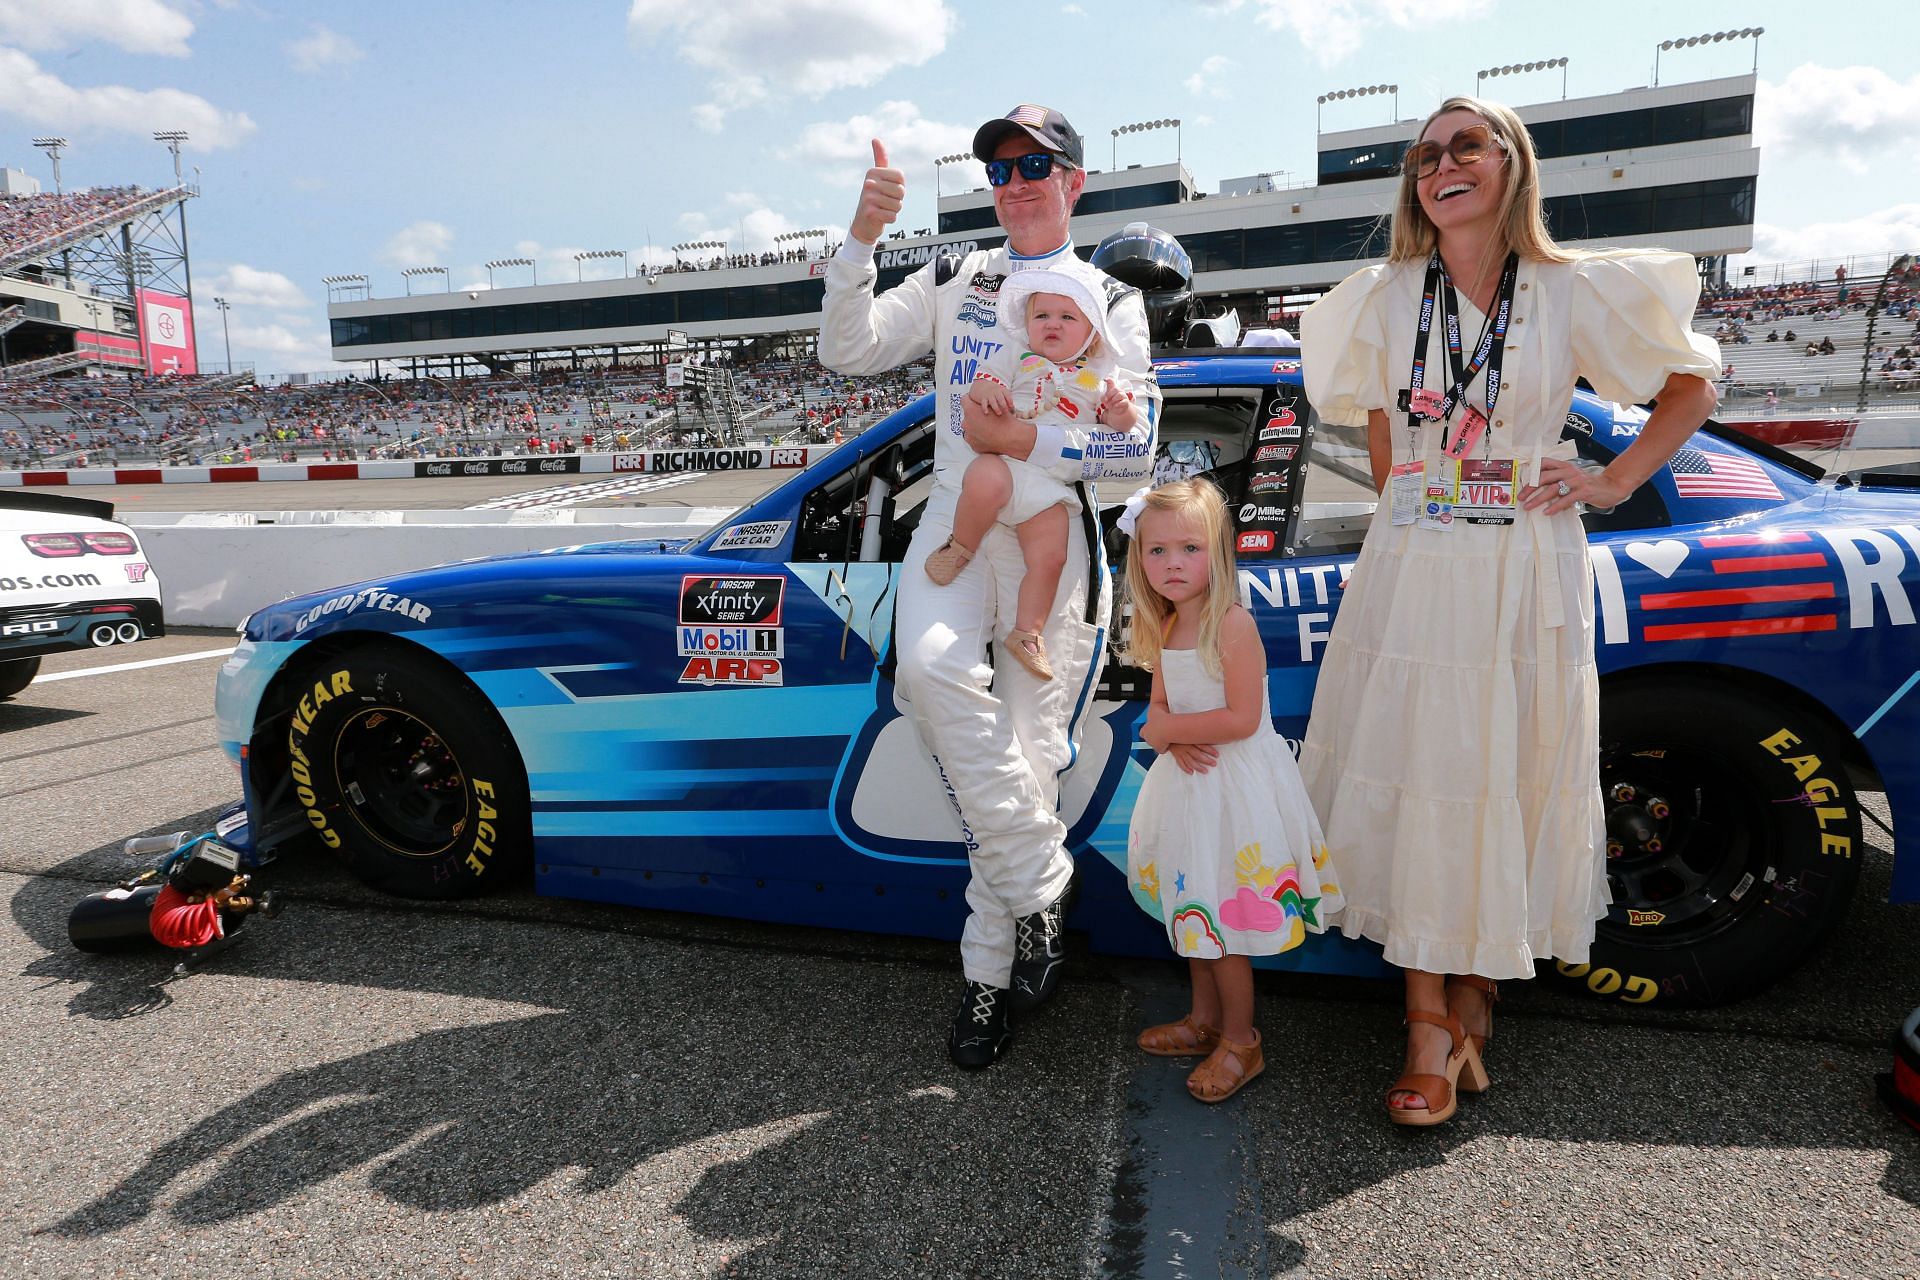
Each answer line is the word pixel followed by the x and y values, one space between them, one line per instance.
pixel 135 666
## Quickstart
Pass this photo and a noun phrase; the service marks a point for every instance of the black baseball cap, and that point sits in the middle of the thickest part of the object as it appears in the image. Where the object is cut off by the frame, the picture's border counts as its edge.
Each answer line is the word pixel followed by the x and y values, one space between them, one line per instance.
pixel 1043 124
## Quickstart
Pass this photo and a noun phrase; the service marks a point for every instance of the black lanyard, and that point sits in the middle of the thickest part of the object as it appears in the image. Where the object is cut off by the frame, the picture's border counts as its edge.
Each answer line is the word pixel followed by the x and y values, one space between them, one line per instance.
pixel 1488 351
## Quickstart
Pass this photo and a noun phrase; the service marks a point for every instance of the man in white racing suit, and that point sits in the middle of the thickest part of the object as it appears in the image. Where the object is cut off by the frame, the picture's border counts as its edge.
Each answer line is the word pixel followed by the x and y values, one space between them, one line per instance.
pixel 999 736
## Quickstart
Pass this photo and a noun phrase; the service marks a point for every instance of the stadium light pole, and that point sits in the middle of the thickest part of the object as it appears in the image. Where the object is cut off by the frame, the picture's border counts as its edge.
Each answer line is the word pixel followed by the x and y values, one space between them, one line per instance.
pixel 1516 68
pixel 941 162
pixel 53 147
pixel 512 262
pixel 1712 37
pixel 173 138
pixel 1364 91
pixel 224 336
pixel 1145 126
pixel 343 282
pixel 411 273
pixel 580 259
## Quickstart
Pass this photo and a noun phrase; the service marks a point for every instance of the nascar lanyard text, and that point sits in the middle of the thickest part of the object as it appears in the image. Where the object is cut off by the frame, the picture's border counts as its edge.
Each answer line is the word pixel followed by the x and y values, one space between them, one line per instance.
pixel 1487 354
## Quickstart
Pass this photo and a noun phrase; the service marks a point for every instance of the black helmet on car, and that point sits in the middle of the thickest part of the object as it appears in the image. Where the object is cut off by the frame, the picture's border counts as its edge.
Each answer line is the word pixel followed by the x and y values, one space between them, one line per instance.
pixel 1153 262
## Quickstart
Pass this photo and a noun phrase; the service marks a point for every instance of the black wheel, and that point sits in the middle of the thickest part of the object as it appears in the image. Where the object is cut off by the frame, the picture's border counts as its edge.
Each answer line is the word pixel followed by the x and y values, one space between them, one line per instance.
pixel 1733 841
pixel 16 675
pixel 407 775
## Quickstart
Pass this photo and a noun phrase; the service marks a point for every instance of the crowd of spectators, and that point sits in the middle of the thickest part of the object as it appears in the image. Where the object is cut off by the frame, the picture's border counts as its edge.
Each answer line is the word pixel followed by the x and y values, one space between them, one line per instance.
pixel 733 261
pixel 29 220
pixel 108 421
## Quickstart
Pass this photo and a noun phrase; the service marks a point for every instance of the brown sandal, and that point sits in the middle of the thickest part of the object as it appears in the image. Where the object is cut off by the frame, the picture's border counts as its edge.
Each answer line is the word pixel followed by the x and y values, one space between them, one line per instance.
pixel 1492 992
pixel 1214 1081
pixel 946 562
pixel 1183 1039
pixel 1463 1069
pixel 1030 651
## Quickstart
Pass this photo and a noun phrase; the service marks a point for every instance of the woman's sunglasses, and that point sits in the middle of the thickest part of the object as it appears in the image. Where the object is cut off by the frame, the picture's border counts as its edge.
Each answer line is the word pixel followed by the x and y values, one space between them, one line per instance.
pixel 1469 146
pixel 1034 168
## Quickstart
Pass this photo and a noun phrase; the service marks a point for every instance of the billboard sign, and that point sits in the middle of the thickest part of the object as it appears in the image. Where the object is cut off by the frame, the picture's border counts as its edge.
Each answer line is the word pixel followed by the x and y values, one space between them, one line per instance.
pixel 166 321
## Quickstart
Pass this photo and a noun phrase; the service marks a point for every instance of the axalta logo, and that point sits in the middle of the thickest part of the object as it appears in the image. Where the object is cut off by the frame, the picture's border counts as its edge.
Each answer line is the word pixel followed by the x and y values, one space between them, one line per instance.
pixel 921 254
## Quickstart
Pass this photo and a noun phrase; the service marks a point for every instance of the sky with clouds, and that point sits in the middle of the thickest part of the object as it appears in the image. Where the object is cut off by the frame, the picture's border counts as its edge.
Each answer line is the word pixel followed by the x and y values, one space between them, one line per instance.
pixel 367 137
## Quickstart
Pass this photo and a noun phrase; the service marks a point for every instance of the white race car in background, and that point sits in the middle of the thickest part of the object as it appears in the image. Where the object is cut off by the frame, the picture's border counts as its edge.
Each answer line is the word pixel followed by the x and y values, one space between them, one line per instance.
pixel 71 577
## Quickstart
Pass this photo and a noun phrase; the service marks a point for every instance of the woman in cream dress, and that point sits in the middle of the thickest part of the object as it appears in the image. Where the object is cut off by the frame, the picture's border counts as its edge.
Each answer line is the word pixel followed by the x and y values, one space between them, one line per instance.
pixel 1453 753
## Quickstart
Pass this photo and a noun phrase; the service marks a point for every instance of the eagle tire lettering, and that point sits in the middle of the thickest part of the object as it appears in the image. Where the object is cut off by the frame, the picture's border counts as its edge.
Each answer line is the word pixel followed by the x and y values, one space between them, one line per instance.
pixel 1732 829
pixel 405 773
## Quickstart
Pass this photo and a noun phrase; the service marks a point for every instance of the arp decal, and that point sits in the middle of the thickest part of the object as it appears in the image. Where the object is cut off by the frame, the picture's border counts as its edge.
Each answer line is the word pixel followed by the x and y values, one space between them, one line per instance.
pixel 709 600
pixel 764 672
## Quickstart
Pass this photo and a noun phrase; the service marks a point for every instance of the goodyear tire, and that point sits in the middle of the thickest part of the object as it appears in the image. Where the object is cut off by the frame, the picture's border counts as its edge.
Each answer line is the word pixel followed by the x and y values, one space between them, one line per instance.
pixel 407 775
pixel 16 675
pixel 1733 843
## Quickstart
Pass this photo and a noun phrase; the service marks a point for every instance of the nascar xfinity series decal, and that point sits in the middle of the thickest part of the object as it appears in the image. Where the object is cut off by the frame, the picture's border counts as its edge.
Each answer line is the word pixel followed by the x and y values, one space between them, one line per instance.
pixel 729 630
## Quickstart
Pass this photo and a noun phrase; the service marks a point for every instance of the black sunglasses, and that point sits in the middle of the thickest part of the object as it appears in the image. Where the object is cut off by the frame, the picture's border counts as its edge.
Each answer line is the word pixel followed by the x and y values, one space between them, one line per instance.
pixel 1469 146
pixel 1034 167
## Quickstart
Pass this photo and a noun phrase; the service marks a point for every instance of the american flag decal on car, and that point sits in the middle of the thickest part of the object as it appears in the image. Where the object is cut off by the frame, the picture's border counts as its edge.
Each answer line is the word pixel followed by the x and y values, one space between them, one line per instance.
pixel 1809 594
pixel 1698 474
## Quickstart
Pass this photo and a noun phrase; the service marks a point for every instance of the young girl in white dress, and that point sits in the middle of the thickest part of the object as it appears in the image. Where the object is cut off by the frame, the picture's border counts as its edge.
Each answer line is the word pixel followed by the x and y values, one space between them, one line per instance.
pixel 1224 847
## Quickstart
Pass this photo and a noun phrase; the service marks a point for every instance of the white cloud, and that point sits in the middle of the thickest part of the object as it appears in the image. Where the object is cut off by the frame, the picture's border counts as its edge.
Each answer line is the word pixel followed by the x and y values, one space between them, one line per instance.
pixel 321 48
pixel 138 26
pixel 1849 113
pixel 419 244
pixel 755 48
pixel 842 151
pixel 246 286
pixel 277 344
pixel 1330 30
pixel 39 97
pixel 1891 230
pixel 1073 11
pixel 1205 83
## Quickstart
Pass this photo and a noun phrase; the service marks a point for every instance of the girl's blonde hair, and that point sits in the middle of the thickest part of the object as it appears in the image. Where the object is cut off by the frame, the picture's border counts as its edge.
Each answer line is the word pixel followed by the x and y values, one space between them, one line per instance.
pixel 1523 220
pixel 1205 510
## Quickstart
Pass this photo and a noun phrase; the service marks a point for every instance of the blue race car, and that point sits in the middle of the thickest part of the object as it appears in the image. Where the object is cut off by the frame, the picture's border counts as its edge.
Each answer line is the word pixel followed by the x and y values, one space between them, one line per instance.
pixel 709 725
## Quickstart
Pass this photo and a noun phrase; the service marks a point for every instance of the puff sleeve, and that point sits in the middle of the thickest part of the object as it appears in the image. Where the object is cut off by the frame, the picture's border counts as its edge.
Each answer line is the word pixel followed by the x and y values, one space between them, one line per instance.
pixel 1343 350
pixel 1632 312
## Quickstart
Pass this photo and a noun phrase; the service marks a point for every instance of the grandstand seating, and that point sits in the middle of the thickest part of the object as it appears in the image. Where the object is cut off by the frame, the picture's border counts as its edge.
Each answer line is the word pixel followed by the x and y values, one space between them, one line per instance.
pixel 109 421
pixel 34 227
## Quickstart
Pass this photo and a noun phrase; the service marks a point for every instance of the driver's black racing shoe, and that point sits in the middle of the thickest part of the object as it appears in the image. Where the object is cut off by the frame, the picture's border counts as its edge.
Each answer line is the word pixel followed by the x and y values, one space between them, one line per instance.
pixel 1039 954
pixel 980 1029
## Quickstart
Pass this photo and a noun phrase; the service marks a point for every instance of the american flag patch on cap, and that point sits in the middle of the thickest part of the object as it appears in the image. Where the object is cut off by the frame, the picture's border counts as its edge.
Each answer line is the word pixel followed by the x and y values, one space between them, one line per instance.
pixel 1029 115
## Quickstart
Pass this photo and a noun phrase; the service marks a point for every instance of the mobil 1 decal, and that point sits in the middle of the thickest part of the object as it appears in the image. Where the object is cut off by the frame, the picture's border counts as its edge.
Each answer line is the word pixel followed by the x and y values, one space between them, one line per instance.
pixel 730 629
pixel 1273 462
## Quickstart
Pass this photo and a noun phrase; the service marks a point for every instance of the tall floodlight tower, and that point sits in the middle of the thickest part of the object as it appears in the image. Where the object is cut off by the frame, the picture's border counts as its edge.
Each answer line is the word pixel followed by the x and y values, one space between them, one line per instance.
pixel 173 138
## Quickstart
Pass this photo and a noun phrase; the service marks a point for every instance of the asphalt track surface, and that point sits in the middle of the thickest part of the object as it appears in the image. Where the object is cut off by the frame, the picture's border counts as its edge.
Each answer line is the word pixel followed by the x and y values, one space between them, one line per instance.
pixel 515 1086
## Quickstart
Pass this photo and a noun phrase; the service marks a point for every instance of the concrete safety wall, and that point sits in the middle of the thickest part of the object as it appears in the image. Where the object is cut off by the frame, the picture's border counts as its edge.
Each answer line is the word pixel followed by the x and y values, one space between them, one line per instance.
pixel 216 568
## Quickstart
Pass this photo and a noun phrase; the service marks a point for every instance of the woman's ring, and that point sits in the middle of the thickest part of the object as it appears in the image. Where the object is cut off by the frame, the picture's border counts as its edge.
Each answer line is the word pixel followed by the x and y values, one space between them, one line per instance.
pixel 1563 488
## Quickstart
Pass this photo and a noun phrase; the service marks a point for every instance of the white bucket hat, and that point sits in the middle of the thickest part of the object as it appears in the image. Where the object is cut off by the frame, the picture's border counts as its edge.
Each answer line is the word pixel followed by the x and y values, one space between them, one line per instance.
pixel 1077 280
